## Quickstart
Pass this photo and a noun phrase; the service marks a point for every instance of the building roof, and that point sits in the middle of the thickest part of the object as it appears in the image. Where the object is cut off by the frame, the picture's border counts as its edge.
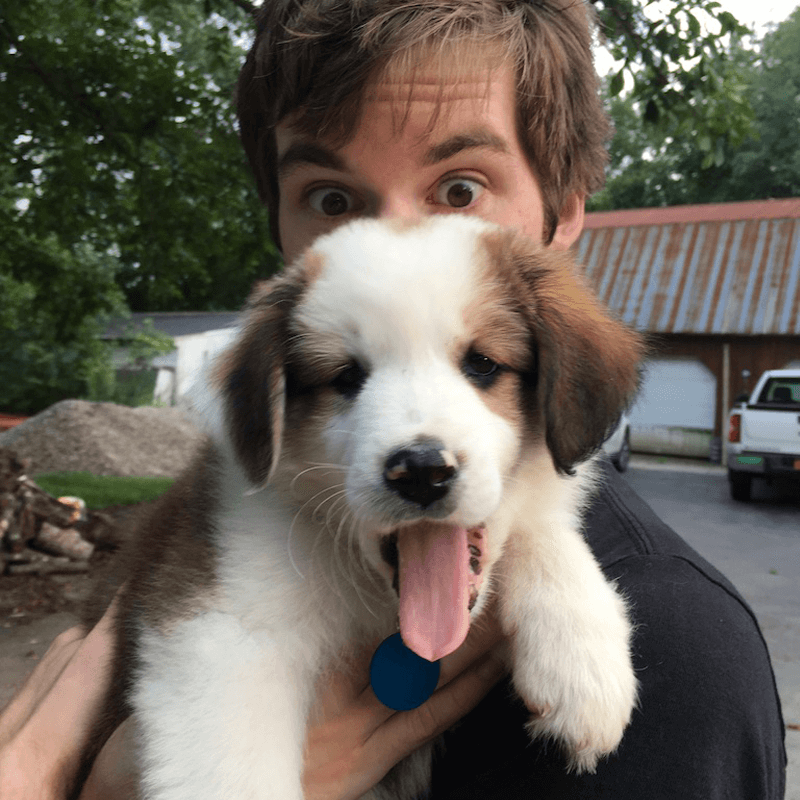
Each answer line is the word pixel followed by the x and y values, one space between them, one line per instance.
pixel 725 268
pixel 175 323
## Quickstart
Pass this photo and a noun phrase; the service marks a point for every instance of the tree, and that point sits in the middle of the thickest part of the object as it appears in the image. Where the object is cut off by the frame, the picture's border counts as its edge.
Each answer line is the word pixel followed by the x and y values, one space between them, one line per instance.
pixel 683 81
pixel 768 163
pixel 122 137
pixel 650 168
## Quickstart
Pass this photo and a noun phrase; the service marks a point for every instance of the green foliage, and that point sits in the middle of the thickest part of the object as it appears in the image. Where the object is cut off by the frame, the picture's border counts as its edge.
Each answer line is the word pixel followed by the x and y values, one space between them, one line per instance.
pixel 768 164
pixel 120 134
pixel 102 491
pixel 683 81
pixel 651 167
pixel 53 302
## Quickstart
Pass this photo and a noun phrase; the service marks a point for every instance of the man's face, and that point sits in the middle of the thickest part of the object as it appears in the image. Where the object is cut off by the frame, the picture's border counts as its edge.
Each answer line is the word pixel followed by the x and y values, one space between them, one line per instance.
pixel 405 162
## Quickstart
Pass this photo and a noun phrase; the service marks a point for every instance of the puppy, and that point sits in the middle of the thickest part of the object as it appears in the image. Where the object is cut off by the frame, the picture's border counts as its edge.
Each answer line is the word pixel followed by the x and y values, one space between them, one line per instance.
pixel 404 427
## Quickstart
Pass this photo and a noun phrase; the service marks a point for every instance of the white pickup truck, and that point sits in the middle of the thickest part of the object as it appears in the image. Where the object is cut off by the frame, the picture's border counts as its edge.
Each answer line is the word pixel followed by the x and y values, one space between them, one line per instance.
pixel 764 433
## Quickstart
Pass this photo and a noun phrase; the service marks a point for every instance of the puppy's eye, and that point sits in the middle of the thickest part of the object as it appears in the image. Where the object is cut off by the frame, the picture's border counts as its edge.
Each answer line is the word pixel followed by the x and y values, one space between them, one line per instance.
pixel 480 369
pixel 349 381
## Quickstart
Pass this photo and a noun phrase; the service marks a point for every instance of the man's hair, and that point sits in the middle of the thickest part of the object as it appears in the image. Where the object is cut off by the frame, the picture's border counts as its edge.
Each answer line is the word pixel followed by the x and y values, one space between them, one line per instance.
pixel 313 60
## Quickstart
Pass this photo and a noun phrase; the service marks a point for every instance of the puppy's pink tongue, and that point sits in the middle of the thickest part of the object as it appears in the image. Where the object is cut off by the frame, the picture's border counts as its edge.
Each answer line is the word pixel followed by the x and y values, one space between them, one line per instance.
pixel 434 588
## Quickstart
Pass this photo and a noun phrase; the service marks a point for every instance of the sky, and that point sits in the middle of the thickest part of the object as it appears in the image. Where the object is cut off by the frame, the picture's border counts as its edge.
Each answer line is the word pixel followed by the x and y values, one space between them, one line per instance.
pixel 753 13
pixel 760 13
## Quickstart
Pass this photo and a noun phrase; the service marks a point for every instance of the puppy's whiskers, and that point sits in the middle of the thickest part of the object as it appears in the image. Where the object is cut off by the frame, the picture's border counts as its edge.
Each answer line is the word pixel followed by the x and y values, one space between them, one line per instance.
pixel 336 490
pixel 315 468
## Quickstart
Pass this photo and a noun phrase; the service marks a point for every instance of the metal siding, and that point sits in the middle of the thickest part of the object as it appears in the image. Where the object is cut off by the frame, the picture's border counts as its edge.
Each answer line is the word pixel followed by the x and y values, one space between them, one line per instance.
pixel 764 306
pixel 724 296
pixel 683 294
pixel 644 312
pixel 665 307
pixel 700 313
pixel 749 303
pixel 712 274
pixel 607 278
pixel 790 318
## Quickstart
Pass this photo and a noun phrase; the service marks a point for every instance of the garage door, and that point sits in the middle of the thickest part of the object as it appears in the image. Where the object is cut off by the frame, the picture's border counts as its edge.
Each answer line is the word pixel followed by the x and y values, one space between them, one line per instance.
pixel 676 393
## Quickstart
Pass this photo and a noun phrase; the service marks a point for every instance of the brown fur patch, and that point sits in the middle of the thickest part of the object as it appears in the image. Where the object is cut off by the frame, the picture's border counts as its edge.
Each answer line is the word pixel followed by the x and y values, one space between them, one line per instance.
pixel 588 362
pixel 254 377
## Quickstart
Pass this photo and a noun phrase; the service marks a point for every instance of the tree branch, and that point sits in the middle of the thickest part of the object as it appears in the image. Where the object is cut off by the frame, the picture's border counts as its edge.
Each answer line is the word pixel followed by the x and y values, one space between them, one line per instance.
pixel 247 6
pixel 639 44
pixel 66 92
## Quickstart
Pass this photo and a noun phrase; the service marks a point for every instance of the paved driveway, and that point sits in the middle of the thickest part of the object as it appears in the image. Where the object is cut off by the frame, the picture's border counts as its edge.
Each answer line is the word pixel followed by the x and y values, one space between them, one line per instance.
pixel 757 545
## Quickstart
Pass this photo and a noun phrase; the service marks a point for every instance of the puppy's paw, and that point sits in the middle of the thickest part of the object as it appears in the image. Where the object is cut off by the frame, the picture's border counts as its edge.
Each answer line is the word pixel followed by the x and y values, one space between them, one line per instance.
pixel 585 706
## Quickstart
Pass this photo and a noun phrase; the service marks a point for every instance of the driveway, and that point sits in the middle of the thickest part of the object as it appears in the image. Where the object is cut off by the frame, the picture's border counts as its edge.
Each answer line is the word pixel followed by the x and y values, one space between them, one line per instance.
pixel 756 544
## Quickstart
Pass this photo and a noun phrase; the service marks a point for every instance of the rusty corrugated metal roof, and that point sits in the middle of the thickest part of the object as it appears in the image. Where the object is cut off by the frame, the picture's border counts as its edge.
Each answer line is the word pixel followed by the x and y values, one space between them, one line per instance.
pixel 727 268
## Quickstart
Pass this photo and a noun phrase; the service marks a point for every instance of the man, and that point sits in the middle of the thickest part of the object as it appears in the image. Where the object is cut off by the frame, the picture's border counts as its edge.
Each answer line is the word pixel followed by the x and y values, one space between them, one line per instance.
pixel 393 108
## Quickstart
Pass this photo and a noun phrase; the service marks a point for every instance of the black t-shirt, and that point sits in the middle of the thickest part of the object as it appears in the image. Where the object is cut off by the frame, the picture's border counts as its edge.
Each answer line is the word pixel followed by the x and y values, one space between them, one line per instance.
pixel 708 725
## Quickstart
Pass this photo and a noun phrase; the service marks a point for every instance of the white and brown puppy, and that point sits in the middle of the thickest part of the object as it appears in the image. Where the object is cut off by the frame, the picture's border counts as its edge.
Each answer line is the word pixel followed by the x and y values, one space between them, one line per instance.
pixel 403 428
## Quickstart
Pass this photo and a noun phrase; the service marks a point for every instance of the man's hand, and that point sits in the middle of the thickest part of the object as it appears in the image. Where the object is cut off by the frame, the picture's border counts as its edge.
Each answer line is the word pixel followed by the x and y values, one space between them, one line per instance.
pixel 354 740
pixel 45 728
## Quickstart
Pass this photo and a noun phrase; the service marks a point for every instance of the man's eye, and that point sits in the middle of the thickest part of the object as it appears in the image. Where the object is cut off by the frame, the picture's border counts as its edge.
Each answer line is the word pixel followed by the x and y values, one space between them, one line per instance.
pixel 458 192
pixel 331 202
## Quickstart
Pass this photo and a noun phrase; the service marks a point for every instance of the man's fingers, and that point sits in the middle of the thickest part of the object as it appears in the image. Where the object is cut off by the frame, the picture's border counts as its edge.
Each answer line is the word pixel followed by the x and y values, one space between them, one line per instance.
pixel 39 683
pixel 114 773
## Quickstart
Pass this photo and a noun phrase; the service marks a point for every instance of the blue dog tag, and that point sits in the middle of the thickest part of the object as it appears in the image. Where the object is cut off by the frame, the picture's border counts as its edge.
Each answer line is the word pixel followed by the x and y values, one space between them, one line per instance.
pixel 400 678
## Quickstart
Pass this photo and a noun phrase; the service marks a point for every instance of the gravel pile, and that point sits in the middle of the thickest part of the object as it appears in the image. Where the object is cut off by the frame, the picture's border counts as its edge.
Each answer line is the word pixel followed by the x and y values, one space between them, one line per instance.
pixel 105 439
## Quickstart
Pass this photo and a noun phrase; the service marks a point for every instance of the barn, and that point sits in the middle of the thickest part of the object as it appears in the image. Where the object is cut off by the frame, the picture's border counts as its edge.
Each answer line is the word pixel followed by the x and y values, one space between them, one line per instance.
pixel 717 288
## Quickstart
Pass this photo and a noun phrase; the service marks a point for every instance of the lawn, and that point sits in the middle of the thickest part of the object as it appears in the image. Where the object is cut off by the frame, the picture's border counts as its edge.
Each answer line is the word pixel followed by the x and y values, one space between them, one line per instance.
pixel 101 491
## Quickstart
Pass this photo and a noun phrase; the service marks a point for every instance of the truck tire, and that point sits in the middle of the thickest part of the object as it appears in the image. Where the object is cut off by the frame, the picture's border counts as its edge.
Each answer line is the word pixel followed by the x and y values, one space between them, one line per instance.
pixel 741 483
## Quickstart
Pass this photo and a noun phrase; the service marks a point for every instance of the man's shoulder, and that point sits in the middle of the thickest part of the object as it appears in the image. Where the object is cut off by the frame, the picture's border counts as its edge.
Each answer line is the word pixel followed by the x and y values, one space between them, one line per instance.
pixel 619 524
pixel 656 569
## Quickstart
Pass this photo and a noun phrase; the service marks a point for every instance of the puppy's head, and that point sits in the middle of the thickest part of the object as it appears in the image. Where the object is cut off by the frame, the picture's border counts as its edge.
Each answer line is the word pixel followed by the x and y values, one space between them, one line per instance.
pixel 420 364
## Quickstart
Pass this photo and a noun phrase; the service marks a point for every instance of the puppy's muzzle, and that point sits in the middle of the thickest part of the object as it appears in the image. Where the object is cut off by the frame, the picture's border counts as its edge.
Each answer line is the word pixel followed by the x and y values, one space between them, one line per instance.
pixel 421 473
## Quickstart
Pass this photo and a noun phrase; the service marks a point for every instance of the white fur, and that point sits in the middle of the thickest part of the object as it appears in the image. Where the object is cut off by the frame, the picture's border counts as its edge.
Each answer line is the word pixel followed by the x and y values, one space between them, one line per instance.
pixel 223 697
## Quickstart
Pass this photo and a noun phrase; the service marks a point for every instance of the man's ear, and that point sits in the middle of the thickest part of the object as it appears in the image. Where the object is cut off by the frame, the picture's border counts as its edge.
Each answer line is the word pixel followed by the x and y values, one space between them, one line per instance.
pixel 587 365
pixel 252 377
pixel 570 223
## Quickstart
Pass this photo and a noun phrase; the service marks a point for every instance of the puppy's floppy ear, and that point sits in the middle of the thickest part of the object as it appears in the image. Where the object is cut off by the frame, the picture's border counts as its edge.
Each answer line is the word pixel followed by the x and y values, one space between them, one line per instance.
pixel 588 364
pixel 252 375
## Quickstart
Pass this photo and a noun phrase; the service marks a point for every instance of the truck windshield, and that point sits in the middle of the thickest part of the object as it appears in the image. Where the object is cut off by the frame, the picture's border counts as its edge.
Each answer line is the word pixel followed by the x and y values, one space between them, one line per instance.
pixel 781 392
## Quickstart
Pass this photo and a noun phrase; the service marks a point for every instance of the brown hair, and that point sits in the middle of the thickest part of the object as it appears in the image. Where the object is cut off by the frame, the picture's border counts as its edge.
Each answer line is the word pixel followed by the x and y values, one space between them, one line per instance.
pixel 315 58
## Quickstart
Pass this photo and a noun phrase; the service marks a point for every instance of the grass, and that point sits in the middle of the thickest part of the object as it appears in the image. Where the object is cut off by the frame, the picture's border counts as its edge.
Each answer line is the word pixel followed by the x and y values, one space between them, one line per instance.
pixel 100 491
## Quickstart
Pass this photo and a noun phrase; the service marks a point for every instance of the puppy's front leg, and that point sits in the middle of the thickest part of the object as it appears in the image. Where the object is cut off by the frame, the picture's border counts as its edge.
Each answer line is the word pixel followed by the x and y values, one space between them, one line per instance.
pixel 570 636
pixel 222 712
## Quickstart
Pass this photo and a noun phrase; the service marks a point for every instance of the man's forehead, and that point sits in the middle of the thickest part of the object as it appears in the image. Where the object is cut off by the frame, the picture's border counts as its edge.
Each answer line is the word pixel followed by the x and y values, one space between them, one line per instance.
pixel 446 116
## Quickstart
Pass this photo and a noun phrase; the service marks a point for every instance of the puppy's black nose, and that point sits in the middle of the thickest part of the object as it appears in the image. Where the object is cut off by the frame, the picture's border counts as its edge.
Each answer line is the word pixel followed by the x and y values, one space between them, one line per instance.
pixel 421 473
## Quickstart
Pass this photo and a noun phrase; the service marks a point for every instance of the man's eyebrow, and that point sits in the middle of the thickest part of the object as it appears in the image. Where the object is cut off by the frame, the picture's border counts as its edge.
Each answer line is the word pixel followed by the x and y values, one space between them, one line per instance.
pixel 301 153
pixel 465 141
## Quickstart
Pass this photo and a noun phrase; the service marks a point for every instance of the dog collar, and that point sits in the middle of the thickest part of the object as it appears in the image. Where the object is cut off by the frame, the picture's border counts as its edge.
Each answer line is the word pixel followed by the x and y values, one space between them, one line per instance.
pixel 400 678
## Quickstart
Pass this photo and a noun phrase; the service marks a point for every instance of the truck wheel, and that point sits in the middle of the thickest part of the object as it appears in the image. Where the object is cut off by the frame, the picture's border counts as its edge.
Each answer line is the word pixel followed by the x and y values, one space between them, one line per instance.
pixel 741 484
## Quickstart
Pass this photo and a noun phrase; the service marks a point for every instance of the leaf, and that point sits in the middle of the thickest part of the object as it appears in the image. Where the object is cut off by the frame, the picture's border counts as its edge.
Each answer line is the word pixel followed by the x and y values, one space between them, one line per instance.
pixel 616 83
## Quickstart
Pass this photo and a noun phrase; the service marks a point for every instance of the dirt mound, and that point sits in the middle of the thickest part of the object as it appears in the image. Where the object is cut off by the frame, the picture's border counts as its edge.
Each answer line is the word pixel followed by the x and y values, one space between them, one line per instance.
pixel 105 439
